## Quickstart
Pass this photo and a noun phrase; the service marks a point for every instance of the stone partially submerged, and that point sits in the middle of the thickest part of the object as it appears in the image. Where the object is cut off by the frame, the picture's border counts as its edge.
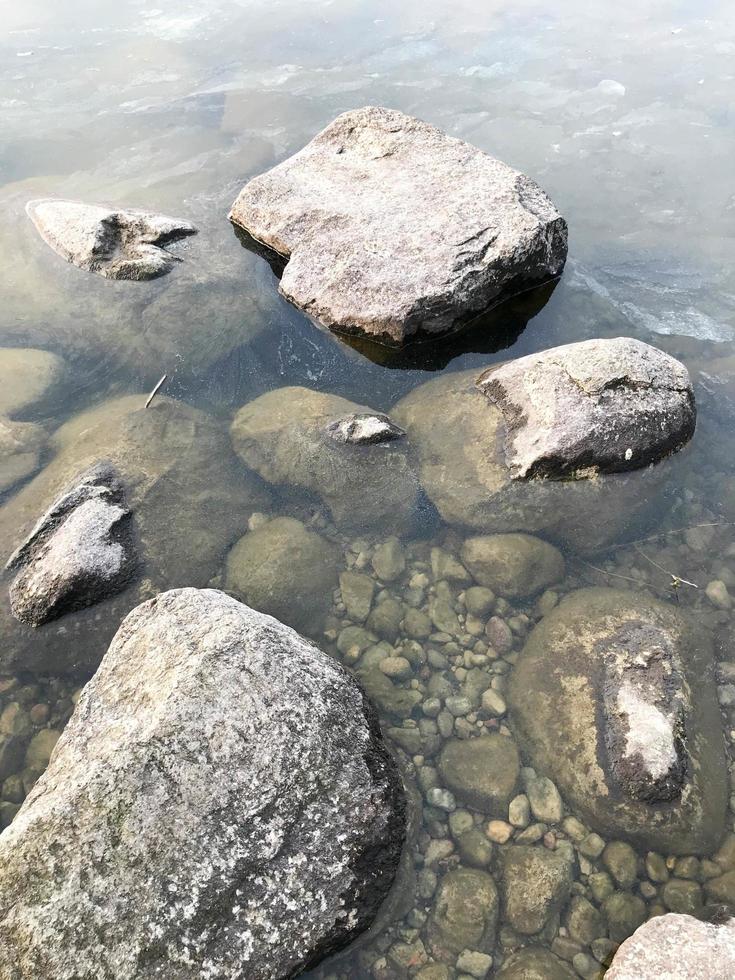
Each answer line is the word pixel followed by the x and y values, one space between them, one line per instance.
pixel 678 947
pixel 79 552
pixel 391 228
pixel 614 699
pixel 462 444
pixel 323 444
pixel 221 804
pixel 113 242
pixel 600 405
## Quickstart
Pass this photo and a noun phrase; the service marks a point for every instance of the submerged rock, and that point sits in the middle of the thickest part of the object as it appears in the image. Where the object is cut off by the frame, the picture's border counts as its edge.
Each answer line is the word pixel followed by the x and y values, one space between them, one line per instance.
pixel 464 914
pixel 26 377
pixel 482 772
pixel 366 427
pixel 613 696
pixel 391 228
pixel 535 885
pixel 21 444
pixel 115 243
pixel 80 551
pixel 513 565
pixel 535 963
pixel 457 439
pixel 286 570
pixel 190 495
pixel 231 781
pixel 600 405
pixel 678 947
pixel 287 437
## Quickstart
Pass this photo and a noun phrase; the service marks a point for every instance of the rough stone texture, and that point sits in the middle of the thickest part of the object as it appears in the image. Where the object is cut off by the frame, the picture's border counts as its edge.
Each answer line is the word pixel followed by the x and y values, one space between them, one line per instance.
pixel 191 499
pixel 601 405
pixel 26 377
pixel 391 228
pixel 21 444
pixel 513 565
pixel 613 697
pixel 678 947
pixel 464 914
pixel 456 437
pixel 535 964
pixel 79 552
pixel 220 804
pixel 535 885
pixel 115 243
pixel 367 427
pixel 283 569
pixel 481 771
pixel 284 436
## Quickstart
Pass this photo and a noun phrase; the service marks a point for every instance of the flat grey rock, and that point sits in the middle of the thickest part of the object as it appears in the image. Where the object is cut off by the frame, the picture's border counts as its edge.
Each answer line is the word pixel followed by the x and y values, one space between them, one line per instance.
pixel 79 552
pixel 678 947
pixel 115 243
pixel 391 228
pixel 221 804
pixel 600 406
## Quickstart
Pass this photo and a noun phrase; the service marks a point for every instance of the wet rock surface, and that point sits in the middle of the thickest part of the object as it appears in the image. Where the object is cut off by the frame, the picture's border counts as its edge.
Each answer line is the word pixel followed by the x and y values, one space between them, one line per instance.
pixel 614 699
pixel 190 496
pixel 220 834
pixel 600 405
pixel 114 243
pixel 80 551
pixel 536 884
pixel 27 376
pixel 287 436
pixel 679 947
pixel 284 569
pixel 513 565
pixel 535 964
pixel 391 228
pixel 457 436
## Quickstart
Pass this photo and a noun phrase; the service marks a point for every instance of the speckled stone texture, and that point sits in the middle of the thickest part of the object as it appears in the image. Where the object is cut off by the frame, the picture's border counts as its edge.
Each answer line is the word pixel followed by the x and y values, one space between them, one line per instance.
pixel 220 805
pixel 678 947
pixel 115 243
pixel 391 228
pixel 598 406
pixel 79 552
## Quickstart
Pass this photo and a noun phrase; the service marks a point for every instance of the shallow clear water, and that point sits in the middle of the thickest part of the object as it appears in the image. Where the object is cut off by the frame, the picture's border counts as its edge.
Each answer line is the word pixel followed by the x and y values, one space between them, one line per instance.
pixel 624 114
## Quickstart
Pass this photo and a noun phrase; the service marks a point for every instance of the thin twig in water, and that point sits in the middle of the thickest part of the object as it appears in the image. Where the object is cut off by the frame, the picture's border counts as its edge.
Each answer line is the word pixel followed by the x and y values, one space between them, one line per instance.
pixel 676 580
pixel 661 534
pixel 156 390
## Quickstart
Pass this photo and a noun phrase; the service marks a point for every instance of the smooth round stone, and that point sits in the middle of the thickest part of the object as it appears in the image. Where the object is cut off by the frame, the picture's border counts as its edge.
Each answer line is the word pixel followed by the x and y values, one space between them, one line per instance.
pixel 622 862
pixel 396 667
pixel 464 915
pixel 624 913
pixel 479 600
pixel 493 703
pixel 475 849
pixel 512 565
pixel 389 560
pixel 442 799
pixel 535 963
pixel 482 772
pixel 499 831
pixel 519 811
pixel 679 895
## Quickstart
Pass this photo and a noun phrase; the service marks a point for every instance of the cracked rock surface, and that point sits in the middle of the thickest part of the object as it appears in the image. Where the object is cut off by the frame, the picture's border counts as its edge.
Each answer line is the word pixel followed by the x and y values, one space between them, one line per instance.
pixel 614 699
pixel 596 406
pixel 114 243
pixel 221 804
pixel 391 228
pixel 79 552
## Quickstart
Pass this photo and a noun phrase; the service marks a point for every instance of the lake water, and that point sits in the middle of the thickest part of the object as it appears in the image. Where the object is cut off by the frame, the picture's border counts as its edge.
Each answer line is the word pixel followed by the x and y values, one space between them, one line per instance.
pixel 623 113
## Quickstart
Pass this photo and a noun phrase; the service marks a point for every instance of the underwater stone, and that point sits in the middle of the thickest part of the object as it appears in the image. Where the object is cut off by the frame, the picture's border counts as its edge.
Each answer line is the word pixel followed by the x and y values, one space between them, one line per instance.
pixel 21 444
pixel 599 406
pixel 26 377
pixel 513 565
pixel 283 436
pixel 535 963
pixel 114 243
pixel 365 427
pixel 231 780
pixel 464 914
pixel 678 947
pixel 284 569
pixel 482 771
pixel 535 885
pixel 613 697
pixel 79 552
pixel 391 228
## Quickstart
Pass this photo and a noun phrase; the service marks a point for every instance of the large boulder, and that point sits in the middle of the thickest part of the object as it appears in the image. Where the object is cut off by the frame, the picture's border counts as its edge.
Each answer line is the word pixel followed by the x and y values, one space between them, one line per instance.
pixel 297 437
pixel 600 405
pixel 190 497
pixel 678 947
pixel 80 551
pixel 27 376
pixel 221 803
pixel 116 243
pixel 458 438
pixel 284 569
pixel 613 697
pixel 391 228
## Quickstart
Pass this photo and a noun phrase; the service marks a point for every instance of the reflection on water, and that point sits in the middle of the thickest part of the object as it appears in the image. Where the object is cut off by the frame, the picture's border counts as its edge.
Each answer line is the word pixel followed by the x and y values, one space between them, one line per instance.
pixel 625 117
